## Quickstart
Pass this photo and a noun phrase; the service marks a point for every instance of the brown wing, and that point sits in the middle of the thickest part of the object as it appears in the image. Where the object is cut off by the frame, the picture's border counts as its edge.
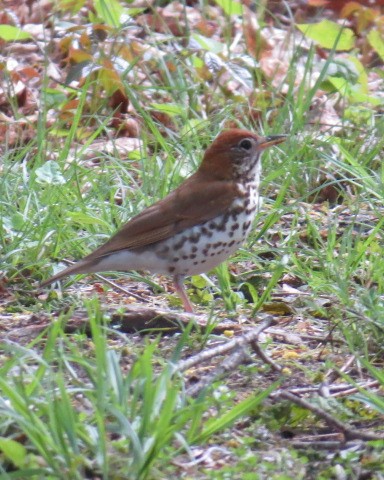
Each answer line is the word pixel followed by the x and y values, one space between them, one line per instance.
pixel 194 202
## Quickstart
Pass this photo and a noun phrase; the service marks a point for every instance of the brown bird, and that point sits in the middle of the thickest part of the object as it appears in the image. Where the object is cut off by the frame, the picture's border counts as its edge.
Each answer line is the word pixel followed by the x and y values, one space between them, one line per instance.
pixel 195 227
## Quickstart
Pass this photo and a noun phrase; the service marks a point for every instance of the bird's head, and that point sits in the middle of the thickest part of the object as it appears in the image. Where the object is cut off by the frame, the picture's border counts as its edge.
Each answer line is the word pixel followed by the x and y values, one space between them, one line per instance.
pixel 235 153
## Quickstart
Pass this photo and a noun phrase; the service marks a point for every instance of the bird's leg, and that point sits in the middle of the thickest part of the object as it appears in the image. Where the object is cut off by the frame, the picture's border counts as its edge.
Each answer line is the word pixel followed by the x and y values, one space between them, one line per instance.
pixel 178 281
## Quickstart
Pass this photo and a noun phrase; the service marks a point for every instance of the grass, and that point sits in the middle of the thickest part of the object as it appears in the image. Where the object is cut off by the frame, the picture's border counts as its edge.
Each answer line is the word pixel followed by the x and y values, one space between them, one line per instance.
pixel 85 410
pixel 112 406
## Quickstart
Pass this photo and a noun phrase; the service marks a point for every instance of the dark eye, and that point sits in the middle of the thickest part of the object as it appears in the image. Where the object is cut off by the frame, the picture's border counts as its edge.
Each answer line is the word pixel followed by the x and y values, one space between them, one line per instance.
pixel 245 144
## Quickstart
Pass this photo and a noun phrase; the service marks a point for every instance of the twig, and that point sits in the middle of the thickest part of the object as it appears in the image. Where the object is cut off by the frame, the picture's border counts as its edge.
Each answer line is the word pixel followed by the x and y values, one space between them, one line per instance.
pixel 335 390
pixel 332 374
pixel 348 432
pixel 350 391
pixel 228 365
pixel 120 289
pixel 245 339
pixel 110 283
pixel 313 444
pixel 260 352
pixel 286 336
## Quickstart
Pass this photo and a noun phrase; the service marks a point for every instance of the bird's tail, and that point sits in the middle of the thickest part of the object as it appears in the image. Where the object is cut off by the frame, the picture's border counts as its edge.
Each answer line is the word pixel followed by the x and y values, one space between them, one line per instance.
pixel 79 267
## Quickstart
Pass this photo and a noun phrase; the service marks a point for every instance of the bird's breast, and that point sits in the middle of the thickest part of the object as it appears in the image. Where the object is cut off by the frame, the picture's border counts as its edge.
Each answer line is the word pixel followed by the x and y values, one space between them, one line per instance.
pixel 248 198
pixel 202 247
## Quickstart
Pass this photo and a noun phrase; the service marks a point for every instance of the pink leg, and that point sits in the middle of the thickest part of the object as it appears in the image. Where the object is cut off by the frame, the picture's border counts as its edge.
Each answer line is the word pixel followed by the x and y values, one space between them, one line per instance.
pixel 179 286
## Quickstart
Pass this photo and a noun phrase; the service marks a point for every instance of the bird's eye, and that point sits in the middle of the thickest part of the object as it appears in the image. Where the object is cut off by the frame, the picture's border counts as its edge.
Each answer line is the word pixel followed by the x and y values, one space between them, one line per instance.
pixel 245 144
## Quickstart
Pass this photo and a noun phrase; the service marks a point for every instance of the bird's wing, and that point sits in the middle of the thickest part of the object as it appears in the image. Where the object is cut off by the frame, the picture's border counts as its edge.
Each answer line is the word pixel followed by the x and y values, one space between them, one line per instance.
pixel 195 202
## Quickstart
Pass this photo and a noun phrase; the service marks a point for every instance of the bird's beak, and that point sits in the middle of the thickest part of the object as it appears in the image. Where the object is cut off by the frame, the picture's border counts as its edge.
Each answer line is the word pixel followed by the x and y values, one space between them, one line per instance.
pixel 270 140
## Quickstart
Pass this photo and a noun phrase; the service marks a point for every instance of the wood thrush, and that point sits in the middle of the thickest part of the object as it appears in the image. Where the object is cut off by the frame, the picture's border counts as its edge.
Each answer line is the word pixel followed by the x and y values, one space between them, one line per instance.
pixel 195 227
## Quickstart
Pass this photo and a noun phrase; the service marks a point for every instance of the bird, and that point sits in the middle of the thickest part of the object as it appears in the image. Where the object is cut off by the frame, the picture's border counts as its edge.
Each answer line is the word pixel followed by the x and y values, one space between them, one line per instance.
pixel 195 227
